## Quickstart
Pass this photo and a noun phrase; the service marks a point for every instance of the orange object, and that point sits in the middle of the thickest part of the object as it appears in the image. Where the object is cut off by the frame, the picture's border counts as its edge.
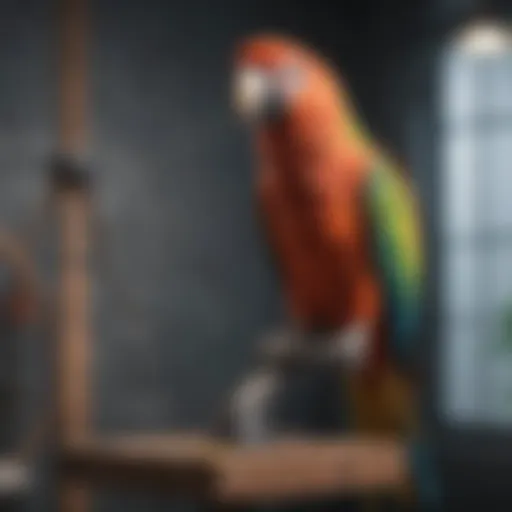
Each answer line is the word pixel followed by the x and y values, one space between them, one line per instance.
pixel 311 168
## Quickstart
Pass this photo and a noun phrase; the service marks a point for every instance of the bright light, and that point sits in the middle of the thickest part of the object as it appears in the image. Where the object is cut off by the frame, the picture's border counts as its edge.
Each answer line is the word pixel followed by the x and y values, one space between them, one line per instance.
pixel 485 39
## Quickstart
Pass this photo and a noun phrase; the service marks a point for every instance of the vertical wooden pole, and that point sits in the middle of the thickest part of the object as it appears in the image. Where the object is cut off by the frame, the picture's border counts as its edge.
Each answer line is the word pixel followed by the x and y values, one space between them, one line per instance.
pixel 72 207
pixel 73 382
pixel 73 60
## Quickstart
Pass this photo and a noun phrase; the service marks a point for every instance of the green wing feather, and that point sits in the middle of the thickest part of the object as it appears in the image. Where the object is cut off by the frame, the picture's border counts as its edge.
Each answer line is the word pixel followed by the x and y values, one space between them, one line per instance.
pixel 396 236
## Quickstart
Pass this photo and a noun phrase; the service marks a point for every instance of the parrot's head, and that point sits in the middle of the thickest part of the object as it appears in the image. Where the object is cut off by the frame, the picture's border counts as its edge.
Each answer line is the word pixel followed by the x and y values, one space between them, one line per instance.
pixel 275 77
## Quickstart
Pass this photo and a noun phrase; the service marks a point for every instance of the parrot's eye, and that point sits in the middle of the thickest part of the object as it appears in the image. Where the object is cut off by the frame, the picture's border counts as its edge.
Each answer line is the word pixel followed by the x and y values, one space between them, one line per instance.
pixel 291 79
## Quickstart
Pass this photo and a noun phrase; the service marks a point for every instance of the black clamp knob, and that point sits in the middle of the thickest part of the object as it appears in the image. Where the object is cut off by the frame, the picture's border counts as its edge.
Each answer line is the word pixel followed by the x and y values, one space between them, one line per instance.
pixel 69 173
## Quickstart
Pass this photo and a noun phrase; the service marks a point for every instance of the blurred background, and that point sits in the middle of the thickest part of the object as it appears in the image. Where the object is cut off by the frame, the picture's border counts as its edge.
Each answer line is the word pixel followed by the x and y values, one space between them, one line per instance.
pixel 188 288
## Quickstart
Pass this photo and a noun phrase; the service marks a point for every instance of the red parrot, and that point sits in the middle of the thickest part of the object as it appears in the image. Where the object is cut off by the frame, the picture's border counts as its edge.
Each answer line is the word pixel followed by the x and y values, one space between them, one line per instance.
pixel 339 215
pixel 342 220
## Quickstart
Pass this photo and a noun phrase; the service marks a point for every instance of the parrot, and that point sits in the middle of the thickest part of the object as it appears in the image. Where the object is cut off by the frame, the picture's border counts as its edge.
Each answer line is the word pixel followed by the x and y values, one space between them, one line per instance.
pixel 343 222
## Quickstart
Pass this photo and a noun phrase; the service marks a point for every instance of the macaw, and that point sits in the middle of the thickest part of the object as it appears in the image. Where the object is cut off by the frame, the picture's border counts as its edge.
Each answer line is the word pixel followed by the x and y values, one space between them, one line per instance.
pixel 343 221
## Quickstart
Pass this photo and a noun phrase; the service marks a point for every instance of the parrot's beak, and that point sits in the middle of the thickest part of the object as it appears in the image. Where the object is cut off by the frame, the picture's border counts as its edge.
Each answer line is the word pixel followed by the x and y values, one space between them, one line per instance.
pixel 255 99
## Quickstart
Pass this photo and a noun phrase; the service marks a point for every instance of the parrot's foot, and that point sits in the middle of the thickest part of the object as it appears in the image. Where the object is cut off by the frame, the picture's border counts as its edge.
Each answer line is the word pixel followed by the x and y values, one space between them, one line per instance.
pixel 348 347
pixel 285 344
pixel 251 407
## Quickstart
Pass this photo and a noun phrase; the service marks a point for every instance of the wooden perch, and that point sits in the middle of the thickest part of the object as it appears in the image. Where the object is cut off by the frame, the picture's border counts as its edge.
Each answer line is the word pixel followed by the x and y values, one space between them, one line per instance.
pixel 199 467
pixel 177 464
pixel 309 469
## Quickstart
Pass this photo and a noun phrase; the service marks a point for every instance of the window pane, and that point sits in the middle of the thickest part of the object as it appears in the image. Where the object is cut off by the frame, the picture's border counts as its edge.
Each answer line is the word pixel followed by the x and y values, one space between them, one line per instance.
pixel 459 279
pixel 484 84
pixel 499 97
pixel 458 184
pixel 496 335
pixel 496 396
pixel 458 87
pixel 459 358
pixel 499 402
pixel 499 288
pixel 495 191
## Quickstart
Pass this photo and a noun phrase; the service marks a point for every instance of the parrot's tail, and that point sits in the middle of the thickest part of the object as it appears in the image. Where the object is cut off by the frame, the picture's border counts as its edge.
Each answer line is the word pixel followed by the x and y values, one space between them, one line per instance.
pixel 425 475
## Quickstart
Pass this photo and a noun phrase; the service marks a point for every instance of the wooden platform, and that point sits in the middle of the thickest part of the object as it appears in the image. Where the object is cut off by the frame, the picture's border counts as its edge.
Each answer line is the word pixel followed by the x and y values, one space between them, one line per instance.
pixel 204 468
pixel 174 464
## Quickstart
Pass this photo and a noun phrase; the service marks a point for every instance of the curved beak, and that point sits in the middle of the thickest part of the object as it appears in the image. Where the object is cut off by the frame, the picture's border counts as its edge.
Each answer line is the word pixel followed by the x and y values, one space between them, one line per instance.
pixel 255 97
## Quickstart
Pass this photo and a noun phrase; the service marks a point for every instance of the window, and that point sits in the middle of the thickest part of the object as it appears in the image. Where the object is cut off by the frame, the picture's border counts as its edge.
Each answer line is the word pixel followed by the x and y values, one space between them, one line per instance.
pixel 476 185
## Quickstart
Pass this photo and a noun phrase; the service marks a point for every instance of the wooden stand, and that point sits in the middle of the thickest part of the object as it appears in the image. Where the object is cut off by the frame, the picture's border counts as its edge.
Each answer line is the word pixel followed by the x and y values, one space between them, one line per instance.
pixel 200 467
pixel 73 336
pixel 72 206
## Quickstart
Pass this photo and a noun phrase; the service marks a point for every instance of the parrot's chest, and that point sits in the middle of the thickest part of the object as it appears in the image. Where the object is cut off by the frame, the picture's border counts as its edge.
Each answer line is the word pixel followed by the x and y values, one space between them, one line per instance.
pixel 316 254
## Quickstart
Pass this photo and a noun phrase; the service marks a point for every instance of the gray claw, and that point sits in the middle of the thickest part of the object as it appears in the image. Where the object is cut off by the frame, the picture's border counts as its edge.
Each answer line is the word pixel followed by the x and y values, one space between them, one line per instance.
pixel 251 407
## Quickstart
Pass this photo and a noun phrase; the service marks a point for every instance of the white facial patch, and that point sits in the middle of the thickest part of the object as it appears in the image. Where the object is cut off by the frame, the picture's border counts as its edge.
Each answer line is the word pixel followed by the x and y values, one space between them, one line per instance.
pixel 250 91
